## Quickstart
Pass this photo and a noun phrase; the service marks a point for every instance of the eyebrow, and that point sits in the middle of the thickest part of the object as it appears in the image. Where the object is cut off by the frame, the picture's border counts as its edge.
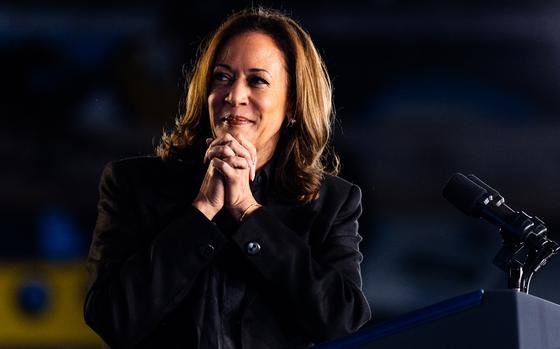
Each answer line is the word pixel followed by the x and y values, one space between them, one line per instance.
pixel 252 70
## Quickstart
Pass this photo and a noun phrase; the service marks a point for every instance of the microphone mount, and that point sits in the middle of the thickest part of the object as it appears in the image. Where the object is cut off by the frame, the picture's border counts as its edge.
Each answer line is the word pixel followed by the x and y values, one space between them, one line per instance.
pixel 526 247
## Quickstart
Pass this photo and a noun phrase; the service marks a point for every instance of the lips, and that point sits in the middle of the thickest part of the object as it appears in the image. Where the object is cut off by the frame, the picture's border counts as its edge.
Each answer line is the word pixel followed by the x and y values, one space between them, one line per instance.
pixel 236 120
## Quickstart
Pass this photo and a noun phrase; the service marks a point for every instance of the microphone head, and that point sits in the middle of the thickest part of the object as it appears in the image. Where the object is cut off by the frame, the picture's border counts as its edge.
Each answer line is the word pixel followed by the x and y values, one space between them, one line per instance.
pixel 491 191
pixel 464 194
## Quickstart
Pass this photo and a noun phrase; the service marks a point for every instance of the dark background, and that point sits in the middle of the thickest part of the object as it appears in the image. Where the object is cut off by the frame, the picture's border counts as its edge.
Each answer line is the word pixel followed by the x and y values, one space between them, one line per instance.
pixel 422 90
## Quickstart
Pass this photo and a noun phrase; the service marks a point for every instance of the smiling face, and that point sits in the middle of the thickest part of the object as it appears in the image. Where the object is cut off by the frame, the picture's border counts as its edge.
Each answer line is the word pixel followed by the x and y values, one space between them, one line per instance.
pixel 249 92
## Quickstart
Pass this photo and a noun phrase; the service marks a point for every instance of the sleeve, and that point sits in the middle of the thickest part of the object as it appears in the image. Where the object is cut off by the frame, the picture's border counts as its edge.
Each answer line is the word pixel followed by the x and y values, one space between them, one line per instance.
pixel 323 287
pixel 132 288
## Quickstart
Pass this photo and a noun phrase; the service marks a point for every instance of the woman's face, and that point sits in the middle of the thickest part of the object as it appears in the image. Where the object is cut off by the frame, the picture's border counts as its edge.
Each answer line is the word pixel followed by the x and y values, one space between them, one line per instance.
pixel 249 91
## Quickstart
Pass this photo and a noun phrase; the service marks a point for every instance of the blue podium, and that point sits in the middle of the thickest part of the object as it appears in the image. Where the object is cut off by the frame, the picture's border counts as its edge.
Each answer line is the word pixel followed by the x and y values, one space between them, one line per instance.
pixel 480 319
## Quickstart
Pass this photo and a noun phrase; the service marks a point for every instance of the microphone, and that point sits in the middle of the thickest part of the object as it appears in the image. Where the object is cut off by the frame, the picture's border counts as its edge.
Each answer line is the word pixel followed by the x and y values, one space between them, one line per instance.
pixel 526 247
pixel 475 198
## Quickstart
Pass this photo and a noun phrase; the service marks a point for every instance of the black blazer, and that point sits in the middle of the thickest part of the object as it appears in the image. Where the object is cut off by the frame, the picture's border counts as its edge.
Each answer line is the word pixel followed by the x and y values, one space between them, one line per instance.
pixel 150 252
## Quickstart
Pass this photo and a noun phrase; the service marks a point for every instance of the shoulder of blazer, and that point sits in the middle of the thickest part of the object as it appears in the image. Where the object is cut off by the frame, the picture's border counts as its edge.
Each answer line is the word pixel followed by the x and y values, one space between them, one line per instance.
pixel 151 166
pixel 136 163
pixel 128 172
pixel 332 180
pixel 337 194
pixel 334 186
pixel 151 178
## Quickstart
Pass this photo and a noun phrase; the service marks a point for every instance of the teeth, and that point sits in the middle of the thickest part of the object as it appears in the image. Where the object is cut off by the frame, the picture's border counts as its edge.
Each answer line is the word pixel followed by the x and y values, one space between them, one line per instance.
pixel 232 118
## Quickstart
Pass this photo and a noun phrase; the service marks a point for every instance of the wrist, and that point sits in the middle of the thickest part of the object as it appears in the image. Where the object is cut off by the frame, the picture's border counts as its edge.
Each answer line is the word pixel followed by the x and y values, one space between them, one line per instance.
pixel 247 211
pixel 205 208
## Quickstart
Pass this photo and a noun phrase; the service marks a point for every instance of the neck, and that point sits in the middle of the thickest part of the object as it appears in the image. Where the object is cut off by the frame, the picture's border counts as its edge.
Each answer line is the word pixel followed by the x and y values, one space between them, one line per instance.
pixel 263 158
pixel 266 152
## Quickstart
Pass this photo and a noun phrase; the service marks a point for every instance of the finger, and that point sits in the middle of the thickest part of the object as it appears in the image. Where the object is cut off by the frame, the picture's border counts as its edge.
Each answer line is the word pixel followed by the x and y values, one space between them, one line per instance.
pixel 237 162
pixel 241 151
pixel 238 149
pixel 208 142
pixel 252 150
pixel 225 139
pixel 219 151
pixel 249 146
pixel 244 147
pixel 224 168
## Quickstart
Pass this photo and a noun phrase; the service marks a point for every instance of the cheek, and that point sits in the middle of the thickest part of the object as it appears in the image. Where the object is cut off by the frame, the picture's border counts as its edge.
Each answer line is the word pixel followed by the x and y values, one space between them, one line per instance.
pixel 215 103
pixel 213 109
pixel 272 122
pixel 275 106
pixel 212 102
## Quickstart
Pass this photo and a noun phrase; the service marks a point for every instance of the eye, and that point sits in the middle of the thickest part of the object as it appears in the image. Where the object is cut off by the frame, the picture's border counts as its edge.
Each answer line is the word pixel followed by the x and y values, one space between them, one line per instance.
pixel 258 81
pixel 220 76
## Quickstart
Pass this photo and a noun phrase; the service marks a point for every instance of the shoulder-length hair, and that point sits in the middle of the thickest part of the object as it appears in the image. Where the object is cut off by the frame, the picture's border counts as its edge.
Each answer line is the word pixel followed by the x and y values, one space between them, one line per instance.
pixel 302 153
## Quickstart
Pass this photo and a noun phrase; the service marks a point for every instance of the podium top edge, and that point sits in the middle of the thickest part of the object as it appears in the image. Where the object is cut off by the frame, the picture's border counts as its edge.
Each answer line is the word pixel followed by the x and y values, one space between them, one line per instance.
pixel 411 319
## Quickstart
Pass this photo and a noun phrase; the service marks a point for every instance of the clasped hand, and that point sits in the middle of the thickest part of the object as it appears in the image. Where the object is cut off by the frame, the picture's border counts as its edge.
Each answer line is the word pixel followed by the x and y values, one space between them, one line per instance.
pixel 231 166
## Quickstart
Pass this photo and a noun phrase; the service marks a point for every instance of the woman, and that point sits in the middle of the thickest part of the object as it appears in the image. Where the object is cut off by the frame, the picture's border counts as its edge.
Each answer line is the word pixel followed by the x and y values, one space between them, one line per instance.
pixel 235 235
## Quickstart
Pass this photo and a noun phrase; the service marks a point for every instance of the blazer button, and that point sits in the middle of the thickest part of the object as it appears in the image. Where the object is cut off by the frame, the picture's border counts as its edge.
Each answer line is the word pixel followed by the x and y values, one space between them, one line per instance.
pixel 206 250
pixel 252 248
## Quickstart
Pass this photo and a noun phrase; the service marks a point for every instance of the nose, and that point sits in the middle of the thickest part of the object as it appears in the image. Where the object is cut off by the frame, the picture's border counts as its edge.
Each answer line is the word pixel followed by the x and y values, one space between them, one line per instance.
pixel 237 93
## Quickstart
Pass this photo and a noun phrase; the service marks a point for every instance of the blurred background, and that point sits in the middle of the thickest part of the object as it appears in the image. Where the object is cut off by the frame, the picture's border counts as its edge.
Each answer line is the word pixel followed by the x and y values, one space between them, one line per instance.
pixel 422 90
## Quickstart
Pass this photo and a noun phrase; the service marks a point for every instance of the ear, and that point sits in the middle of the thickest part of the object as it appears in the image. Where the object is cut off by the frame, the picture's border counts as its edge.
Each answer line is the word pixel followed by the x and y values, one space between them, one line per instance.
pixel 290 121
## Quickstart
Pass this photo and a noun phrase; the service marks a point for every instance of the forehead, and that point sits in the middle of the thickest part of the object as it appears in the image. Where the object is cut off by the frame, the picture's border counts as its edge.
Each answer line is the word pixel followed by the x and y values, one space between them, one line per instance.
pixel 251 48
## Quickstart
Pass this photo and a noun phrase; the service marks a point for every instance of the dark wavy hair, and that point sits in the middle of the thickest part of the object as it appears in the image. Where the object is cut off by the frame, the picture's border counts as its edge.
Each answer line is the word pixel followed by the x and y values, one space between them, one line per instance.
pixel 303 152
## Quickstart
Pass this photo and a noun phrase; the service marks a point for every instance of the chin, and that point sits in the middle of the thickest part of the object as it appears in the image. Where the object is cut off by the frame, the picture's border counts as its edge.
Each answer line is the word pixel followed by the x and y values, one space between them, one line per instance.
pixel 237 131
